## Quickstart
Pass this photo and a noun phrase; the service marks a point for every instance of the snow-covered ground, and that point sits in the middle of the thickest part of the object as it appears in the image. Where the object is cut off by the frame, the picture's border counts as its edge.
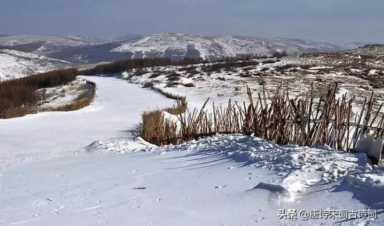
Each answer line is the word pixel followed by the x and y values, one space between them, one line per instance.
pixel 86 168
pixel 64 95
pixel 224 80
pixel 16 64
pixel 198 184
pixel 116 110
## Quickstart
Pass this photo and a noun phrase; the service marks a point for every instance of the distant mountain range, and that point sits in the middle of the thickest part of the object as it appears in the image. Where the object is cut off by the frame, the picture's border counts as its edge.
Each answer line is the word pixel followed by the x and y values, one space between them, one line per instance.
pixel 370 49
pixel 42 44
pixel 176 45
pixel 23 55
pixel 169 45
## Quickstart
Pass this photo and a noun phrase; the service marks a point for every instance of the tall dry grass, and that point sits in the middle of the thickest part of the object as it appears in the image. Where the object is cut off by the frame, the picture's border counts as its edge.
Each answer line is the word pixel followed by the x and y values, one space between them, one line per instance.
pixel 158 130
pixel 309 120
pixel 19 96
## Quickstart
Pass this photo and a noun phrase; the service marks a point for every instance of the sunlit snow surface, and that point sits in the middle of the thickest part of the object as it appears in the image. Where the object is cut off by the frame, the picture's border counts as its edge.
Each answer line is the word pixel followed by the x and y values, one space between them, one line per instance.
pixel 88 168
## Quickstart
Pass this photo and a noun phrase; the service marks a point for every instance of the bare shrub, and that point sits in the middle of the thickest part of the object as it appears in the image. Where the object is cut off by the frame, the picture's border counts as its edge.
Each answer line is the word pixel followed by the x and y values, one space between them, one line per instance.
pixel 228 65
pixel 173 77
pixel 18 97
pixel 124 65
pixel 189 84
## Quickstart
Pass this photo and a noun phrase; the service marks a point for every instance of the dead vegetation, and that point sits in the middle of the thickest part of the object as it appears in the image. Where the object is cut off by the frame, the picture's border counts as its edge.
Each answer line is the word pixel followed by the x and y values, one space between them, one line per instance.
pixel 228 65
pixel 157 130
pixel 124 65
pixel 19 97
pixel 181 105
pixel 308 120
pixel 81 101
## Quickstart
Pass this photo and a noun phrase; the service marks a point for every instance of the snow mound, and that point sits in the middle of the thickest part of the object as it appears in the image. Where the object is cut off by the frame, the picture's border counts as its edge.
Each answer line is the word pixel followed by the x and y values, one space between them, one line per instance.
pixel 120 146
pixel 300 168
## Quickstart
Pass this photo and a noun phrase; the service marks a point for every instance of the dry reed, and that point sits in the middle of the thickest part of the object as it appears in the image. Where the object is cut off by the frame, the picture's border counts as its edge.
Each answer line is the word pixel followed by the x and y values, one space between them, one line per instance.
pixel 309 120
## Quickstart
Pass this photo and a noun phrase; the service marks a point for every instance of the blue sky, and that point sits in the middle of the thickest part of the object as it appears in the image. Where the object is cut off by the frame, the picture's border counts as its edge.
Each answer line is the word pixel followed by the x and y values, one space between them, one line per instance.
pixel 327 20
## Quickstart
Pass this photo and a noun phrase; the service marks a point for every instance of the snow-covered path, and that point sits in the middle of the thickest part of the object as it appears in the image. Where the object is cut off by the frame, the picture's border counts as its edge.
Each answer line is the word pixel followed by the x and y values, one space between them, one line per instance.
pixel 51 179
pixel 116 109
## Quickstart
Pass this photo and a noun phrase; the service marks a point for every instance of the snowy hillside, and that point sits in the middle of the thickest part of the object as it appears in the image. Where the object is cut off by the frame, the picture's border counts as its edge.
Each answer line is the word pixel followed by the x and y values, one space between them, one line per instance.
pixel 370 50
pixel 90 53
pixel 16 64
pixel 42 44
pixel 169 45
pixel 78 50
pixel 176 45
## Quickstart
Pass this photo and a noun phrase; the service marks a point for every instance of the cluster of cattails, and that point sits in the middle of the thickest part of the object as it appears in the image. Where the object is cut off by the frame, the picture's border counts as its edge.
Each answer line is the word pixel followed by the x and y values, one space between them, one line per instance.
pixel 309 120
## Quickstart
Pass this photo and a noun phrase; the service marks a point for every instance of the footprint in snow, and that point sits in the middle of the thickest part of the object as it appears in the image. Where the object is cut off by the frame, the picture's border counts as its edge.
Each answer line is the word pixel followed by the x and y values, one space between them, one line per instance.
pixel 276 191
pixel 140 188
pixel 220 186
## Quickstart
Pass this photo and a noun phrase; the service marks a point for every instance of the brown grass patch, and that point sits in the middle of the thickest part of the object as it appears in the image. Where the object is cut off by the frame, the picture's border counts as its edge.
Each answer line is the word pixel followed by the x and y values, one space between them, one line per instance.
pixel 82 101
pixel 157 130
pixel 19 97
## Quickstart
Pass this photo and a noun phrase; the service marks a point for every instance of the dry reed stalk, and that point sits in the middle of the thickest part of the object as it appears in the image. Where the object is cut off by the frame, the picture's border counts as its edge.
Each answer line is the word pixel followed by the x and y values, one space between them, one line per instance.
pixel 304 121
